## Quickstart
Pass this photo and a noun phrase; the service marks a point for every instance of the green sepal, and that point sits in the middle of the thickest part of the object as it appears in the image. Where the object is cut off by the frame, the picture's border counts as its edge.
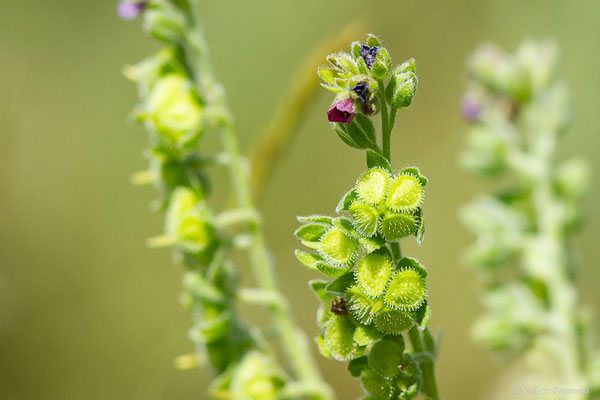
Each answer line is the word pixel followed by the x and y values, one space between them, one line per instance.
pixel 340 285
pixel 375 159
pixel 346 226
pixel 376 386
pixel 328 75
pixel 421 229
pixel 401 89
pixel 355 50
pixel 343 62
pixel 371 244
pixel 365 218
pixel 308 259
pixel 318 287
pixel 199 287
pixel 344 136
pixel 331 271
pixel 373 41
pixel 321 346
pixel 356 366
pixel 319 219
pixel 311 232
pixel 339 339
pixel 406 66
pixel 382 65
pixel 422 315
pixel 409 262
pixel 346 200
pixel 429 343
pixel 416 172
pixel 366 335
pixel 385 358
pixel 395 226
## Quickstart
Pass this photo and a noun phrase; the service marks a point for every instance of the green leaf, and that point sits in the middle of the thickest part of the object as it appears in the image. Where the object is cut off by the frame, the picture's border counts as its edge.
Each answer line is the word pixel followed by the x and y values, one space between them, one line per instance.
pixel 311 232
pixel 344 136
pixel 358 365
pixel 346 226
pixel 345 201
pixel 319 219
pixel 421 316
pixel 412 263
pixel 310 260
pixel 318 287
pixel 371 244
pixel 373 41
pixel 331 271
pixel 341 284
pixel 385 358
pixel 375 159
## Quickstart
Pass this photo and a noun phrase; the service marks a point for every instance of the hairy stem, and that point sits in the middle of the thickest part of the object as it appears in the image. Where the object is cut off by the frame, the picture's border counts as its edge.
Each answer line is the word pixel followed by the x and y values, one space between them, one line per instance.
pixel 293 341
pixel 386 127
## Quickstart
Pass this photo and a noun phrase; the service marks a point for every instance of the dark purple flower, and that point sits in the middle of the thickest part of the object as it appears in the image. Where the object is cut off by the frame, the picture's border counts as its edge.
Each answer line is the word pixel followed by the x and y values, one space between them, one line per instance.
pixel 471 107
pixel 341 111
pixel 129 9
pixel 362 90
pixel 368 54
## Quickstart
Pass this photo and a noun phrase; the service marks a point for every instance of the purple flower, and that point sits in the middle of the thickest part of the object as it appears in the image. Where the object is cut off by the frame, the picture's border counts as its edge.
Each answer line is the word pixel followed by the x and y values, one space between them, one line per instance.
pixel 341 111
pixel 471 107
pixel 368 54
pixel 129 9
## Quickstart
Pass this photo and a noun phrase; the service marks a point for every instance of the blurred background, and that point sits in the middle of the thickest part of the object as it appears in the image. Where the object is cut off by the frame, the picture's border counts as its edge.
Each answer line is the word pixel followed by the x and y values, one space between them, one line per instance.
pixel 87 311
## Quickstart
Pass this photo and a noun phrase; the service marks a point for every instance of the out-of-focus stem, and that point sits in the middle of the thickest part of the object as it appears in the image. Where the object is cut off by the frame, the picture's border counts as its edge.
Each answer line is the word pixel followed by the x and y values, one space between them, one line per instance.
pixel 276 135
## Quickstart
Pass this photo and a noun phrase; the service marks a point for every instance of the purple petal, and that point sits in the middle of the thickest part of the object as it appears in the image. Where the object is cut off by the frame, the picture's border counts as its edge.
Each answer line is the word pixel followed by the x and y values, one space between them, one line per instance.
pixel 471 107
pixel 342 111
pixel 129 10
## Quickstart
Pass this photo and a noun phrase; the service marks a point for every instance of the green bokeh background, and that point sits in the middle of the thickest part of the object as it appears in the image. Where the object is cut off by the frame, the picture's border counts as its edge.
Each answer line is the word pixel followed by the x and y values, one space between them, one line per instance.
pixel 87 312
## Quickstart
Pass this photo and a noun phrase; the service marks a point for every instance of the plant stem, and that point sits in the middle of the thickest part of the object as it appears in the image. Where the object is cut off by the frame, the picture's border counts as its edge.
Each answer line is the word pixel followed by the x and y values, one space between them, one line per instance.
pixel 386 127
pixel 293 340
pixel 429 385
pixel 426 359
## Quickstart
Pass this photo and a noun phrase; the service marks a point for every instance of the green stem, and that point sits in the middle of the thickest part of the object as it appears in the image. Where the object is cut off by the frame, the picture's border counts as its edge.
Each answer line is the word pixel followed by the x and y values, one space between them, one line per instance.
pixel 386 129
pixel 293 341
pixel 425 359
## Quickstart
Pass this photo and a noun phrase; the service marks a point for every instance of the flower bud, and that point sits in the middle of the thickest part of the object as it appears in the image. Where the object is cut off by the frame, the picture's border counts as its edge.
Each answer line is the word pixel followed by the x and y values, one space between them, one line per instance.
pixel 165 22
pixel 129 9
pixel 401 89
pixel 174 110
pixel 382 64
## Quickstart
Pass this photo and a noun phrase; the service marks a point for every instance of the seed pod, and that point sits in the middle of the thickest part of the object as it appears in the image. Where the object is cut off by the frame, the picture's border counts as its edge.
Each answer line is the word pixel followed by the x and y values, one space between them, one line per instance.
pixel 339 339
pixel 372 185
pixel 397 226
pixel 405 194
pixel 406 291
pixel 337 248
pixel 364 217
pixel 385 358
pixel 361 305
pixel 373 273
pixel 375 385
pixel 393 322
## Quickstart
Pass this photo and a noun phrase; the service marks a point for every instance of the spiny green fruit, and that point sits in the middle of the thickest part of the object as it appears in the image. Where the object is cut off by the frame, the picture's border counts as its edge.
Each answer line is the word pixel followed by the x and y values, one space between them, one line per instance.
pixel 365 335
pixel 364 218
pixel 378 387
pixel 395 226
pixel 373 273
pixel 405 194
pixel 393 322
pixel 406 291
pixel 385 358
pixel 372 185
pixel 360 305
pixel 339 339
pixel 337 248
pixel 257 377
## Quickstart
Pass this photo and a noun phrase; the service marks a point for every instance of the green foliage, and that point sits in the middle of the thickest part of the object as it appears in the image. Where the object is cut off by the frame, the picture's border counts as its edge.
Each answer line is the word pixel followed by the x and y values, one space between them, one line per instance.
pixel 377 295
pixel 519 109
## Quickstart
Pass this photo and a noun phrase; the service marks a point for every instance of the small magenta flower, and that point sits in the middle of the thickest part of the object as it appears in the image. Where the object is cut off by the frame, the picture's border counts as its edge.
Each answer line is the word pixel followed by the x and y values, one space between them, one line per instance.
pixel 471 107
pixel 130 9
pixel 342 111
